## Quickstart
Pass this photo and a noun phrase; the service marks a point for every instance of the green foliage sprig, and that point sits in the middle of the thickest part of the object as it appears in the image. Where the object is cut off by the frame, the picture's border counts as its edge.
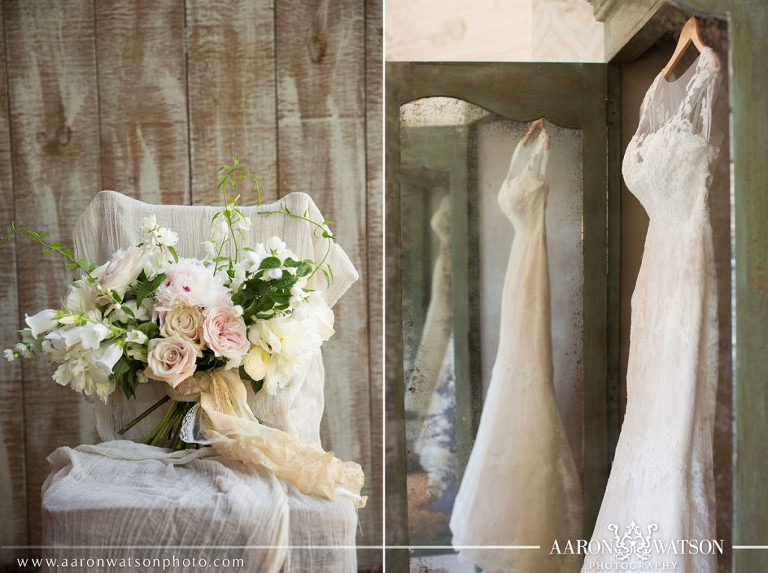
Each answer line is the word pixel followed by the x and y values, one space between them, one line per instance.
pixel 50 249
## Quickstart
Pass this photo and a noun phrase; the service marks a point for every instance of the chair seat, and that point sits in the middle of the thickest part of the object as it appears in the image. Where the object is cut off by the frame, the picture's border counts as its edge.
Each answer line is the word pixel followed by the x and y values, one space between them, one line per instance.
pixel 122 500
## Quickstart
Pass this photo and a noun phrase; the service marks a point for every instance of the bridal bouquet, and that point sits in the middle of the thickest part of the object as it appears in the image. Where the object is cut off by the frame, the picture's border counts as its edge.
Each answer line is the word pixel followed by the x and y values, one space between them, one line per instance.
pixel 149 315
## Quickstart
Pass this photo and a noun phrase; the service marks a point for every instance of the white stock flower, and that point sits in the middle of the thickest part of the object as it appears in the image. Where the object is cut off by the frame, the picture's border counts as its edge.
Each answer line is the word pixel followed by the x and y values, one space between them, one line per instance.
pixel 272 274
pixel 88 336
pixel 41 322
pixel 166 237
pixel 148 224
pixel 219 229
pixel 252 259
pixel 85 370
pixel 10 354
pixel 141 313
pixel 136 336
pixel 79 299
pixel 275 245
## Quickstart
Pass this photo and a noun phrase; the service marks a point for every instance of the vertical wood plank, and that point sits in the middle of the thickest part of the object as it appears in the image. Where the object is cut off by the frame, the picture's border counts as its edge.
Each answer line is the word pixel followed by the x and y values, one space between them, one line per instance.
pixel 55 142
pixel 320 48
pixel 749 22
pixel 142 96
pixel 231 77
pixel 374 133
pixel 13 476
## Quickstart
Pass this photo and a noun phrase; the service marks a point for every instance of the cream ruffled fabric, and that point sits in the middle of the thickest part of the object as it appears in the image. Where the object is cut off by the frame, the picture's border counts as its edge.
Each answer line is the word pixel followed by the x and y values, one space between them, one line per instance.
pixel 227 423
pixel 122 493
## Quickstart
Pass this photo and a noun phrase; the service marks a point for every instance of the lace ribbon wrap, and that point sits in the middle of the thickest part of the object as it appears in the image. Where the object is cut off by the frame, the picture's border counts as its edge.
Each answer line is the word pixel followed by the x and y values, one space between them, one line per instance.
pixel 224 420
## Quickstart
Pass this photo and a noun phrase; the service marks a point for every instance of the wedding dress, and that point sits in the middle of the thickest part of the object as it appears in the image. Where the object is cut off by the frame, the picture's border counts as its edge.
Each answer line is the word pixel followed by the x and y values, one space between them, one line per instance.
pixel 662 480
pixel 123 493
pixel 521 485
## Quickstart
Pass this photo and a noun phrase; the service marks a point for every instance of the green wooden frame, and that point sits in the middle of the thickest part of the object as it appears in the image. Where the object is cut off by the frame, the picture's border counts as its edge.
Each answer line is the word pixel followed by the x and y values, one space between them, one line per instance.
pixel 570 95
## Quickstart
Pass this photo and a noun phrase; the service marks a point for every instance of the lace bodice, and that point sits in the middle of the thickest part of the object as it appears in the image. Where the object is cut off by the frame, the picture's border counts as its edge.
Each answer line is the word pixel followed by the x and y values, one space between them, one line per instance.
pixel 523 194
pixel 667 162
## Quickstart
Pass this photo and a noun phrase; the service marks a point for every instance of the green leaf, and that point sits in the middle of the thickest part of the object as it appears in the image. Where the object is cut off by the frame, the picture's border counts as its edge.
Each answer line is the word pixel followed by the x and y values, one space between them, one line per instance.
pixel 173 254
pixel 289 262
pixel 150 329
pixel 303 269
pixel 128 311
pixel 270 263
pixel 148 287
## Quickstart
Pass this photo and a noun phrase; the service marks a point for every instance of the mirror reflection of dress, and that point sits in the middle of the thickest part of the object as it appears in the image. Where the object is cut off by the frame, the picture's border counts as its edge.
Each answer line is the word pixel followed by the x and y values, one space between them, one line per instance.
pixel 436 441
pixel 521 485
pixel 662 475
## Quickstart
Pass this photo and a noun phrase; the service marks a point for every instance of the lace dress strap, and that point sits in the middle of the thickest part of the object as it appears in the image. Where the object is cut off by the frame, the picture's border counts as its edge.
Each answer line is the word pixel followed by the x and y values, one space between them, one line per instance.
pixel 685 103
pixel 530 157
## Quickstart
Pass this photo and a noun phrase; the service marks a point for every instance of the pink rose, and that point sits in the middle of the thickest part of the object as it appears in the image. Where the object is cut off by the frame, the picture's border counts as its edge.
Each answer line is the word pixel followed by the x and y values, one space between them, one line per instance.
pixel 225 333
pixel 171 359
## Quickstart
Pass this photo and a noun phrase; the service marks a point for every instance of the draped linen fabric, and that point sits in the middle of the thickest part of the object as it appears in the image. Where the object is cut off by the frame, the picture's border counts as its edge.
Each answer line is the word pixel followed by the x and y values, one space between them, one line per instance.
pixel 521 485
pixel 662 476
pixel 125 494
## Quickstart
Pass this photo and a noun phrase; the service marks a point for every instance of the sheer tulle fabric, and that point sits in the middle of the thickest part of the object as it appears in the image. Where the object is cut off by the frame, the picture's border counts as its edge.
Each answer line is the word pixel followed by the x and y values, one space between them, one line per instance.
pixel 243 497
pixel 521 485
pixel 662 472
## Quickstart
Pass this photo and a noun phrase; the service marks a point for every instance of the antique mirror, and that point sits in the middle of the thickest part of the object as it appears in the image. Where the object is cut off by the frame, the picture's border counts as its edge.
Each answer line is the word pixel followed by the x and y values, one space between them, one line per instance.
pixel 454 133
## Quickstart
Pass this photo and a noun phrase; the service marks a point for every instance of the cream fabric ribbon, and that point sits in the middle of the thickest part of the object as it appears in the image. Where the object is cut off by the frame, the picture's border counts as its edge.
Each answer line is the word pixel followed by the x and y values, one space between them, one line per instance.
pixel 230 427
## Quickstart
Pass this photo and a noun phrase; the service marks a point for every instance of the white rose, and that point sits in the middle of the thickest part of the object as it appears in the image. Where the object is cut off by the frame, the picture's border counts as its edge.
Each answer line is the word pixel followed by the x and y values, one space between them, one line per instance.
pixel 124 268
pixel 41 322
pixel 186 322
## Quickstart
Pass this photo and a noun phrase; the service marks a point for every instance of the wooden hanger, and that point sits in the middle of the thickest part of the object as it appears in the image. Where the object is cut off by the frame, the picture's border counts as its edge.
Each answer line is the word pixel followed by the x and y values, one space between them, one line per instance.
pixel 538 123
pixel 690 34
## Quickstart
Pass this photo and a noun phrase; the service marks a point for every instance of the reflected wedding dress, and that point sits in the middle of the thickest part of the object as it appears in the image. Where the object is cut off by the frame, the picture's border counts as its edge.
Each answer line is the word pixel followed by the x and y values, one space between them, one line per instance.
pixel 662 479
pixel 433 377
pixel 521 486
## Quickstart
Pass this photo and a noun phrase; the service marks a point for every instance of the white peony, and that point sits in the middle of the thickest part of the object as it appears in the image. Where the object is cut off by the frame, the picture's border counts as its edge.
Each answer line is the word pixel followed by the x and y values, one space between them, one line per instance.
pixel 85 370
pixel 189 283
pixel 256 363
pixel 42 322
pixel 316 310
pixel 290 344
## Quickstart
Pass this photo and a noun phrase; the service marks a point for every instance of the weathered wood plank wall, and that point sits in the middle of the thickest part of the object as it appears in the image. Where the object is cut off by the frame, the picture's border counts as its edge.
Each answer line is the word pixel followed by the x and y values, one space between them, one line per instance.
pixel 148 98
